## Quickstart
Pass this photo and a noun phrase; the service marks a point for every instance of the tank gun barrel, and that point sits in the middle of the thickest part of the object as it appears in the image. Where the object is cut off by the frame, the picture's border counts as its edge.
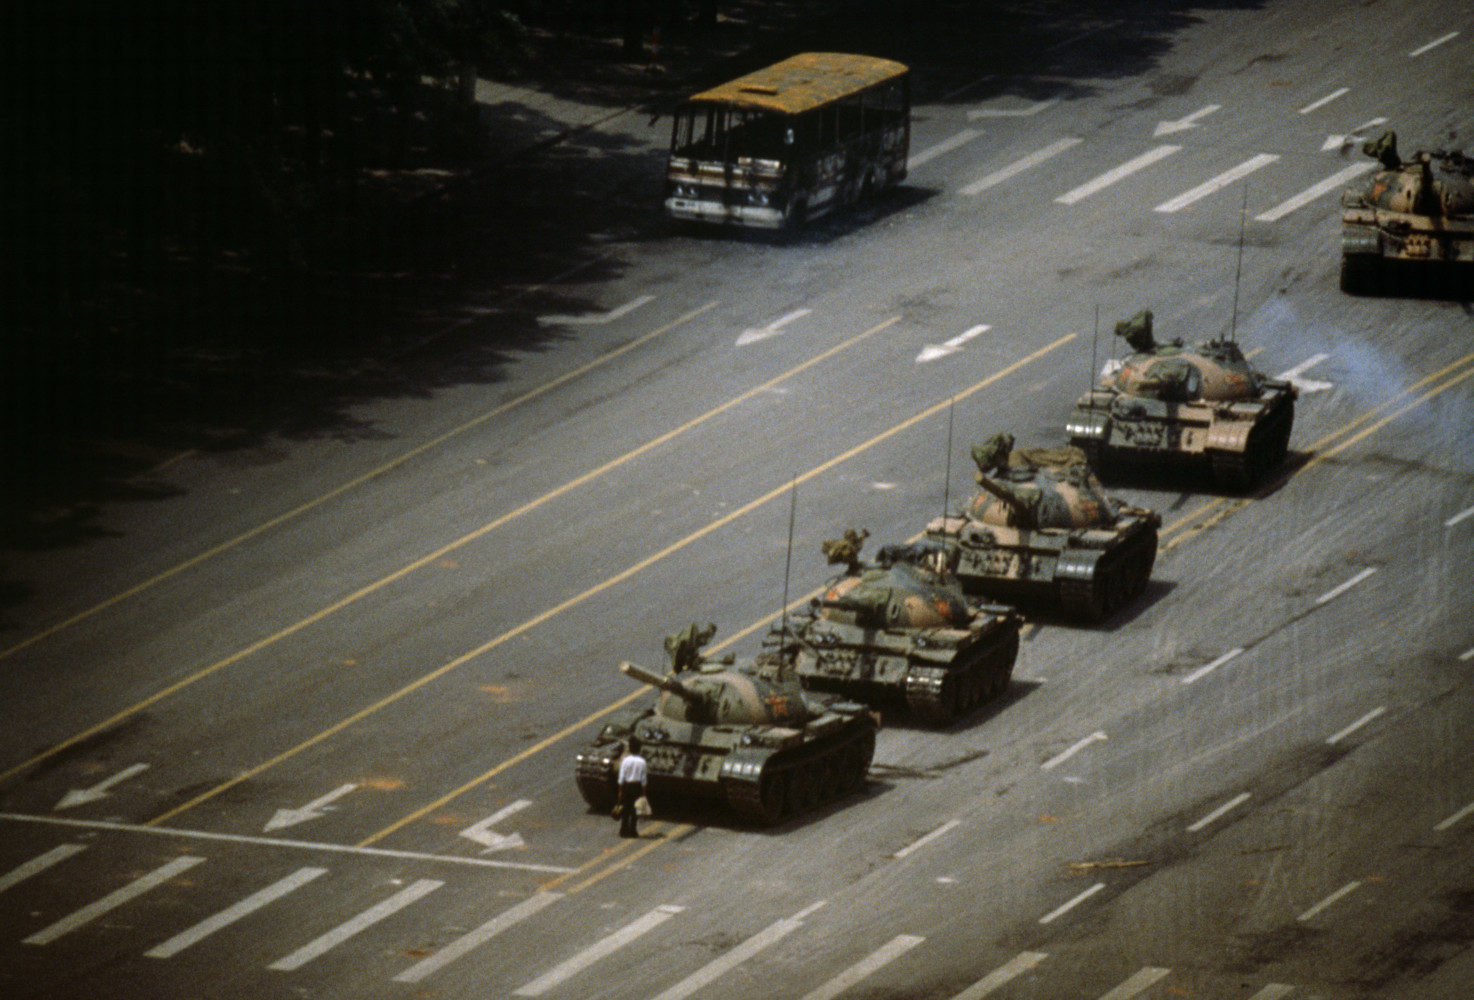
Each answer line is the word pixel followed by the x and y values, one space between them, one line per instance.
pixel 1003 493
pixel 655 680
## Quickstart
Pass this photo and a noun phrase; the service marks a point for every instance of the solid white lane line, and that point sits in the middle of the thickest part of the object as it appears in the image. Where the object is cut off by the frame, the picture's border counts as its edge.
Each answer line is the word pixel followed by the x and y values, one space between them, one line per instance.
pixel 866 967
pixel 1434 44
pixel 1019 166
pixel 303 845
pixel 945 146
pixel 1136 984
pixel 1218 183
pixel 770 935
pixel 1357 724
pixel 1461 515
pixel 1467 810
pixel 597 318
pixel 1331 183
pixel 599 949
pixel 1274 991
pixel 1336 592
pixel 363 921
pixel 112 901
pixel 914 845
pixel 1231 804
pixel 39 864
pixel 1060 911
pixel 231 914
pixel 1120 173
pixel 1066 755
pixel 1012 969
pixel 1345 890
pixel 1324 100
pixel 1209 668
pixel 467 942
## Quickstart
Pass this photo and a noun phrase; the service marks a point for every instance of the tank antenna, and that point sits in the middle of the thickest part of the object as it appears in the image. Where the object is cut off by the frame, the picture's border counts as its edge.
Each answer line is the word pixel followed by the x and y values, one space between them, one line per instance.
pixel 1233 323
pixel 1094 338
pixel 787 566
pixel 947 480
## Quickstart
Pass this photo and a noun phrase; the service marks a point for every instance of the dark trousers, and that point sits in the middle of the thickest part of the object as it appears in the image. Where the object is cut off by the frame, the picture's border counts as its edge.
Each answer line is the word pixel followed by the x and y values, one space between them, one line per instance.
pixel 628 792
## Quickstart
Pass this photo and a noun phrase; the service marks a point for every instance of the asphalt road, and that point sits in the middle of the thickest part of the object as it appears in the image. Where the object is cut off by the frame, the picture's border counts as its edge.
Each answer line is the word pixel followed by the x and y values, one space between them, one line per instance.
pixel 322 698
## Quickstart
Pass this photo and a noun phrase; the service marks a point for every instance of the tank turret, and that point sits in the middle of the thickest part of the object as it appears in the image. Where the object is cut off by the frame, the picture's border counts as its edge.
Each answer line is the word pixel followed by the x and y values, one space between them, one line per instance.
pixel 1168 403
pixel 746 732
pixel 1043 528
pixel 900 631
pixel 1418 210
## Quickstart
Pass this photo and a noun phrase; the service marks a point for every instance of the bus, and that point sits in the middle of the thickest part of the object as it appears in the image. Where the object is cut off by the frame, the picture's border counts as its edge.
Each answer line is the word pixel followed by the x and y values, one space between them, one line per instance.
pixel 790 142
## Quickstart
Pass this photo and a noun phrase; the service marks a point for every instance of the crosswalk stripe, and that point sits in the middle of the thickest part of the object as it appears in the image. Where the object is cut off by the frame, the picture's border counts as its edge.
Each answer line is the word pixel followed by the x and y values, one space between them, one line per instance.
pixel 1218 183
pixel 1313 192
pixel 1019 166
pixel 231 914
pixel 770 935
pixel 1120 173
pixel 1005 973
pixel 40 864
pixel 465 943
pixel 1274 991
pixel 366 919
pixel 1135 985
pixel 945 146
pixel 112 901
pixel 866 967
pixel 599 950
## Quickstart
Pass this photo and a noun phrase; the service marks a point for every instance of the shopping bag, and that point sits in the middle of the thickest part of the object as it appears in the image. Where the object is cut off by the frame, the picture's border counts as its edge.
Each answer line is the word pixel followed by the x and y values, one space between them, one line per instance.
pixel 642 806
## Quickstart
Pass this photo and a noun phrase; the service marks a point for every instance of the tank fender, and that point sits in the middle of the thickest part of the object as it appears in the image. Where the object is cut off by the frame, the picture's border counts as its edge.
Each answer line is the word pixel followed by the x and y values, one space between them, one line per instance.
pixel 1361 239
pixel 1088 425
pixel 1230 435
pixel 1077 564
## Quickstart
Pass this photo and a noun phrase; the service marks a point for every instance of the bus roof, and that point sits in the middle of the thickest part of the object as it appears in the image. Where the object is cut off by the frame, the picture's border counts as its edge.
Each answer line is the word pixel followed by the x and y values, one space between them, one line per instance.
pixel 804 81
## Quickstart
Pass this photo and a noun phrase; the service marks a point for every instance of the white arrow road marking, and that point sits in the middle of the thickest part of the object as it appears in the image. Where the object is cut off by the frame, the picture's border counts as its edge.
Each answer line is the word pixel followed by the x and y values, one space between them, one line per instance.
pixel 945 146
pixel 1314 105
pixel 1061 758
pixel 596 318
pixel 1313 192
pixel 772 329
pixel 598 950
pixel 770 935
pixel 1029 112
pixel 1305 384
pixel 1019 166
pixel 315 809
pixel 934 351
pixel 100 790
pixel 1110 177
pixel 364 920
pixel 1005 973
pixel 1223 180
pixel 112 901
pixel 488 838
pixel 1183 124
pixel 1338 141
pixel 467 942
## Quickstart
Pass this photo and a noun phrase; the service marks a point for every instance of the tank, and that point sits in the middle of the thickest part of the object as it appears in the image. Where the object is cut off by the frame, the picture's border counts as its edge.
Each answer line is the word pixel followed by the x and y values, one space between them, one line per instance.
pixel 746 733
pixel 1419 210
pixel 900 631
pixel 1043 528
pixel 1168 404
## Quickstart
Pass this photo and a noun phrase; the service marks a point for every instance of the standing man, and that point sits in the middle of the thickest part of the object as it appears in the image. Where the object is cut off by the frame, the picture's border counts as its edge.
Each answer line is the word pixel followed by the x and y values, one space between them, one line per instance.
pixel 632 771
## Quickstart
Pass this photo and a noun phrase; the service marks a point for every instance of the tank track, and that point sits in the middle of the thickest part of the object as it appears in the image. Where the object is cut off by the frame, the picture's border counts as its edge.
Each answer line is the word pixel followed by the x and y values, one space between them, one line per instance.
pixel 791 784
pixel 937 696
pixel 1120 577
pixel 1263 453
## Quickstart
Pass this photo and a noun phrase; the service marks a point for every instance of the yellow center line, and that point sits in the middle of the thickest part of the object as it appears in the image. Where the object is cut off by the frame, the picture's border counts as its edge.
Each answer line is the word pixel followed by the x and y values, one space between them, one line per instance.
pixel 353 483
pixel 611 581
pixel 439 553
pixel 675 834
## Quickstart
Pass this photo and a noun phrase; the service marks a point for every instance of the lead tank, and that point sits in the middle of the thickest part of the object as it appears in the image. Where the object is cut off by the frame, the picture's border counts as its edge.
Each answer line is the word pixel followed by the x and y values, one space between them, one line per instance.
pixel 1168 404
pixel 1419 210
pixel 901 631
pixel 1043 528
pixel 743 732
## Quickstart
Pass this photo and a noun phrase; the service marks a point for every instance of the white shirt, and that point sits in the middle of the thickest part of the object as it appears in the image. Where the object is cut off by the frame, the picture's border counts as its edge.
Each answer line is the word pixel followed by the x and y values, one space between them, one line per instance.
pixel 632 769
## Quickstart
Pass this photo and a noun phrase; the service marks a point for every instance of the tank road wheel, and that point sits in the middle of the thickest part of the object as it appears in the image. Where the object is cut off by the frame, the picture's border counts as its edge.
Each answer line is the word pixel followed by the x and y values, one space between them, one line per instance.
pixel 1360 274
pixel 773 797
pixel 804 788
pixel 856 764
